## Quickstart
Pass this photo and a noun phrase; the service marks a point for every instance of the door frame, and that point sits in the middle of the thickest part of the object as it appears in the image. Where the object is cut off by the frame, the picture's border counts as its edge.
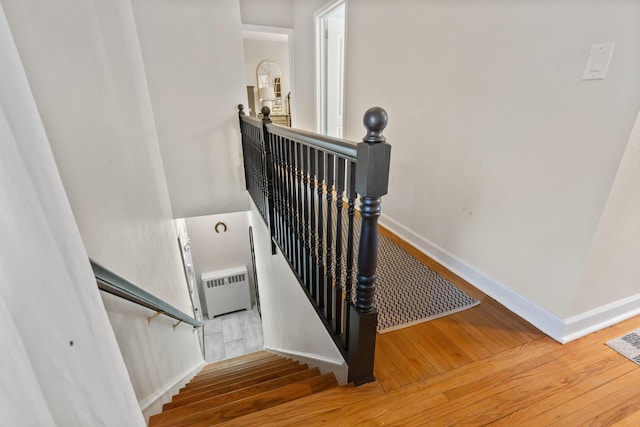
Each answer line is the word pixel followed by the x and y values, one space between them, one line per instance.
pixel 321 61
pixel 194 292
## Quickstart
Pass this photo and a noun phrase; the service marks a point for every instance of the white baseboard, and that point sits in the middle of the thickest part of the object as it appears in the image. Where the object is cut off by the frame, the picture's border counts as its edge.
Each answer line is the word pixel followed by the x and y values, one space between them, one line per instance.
pixel 558 328
pixel 337 366
pixel 601 317
pixel 152 404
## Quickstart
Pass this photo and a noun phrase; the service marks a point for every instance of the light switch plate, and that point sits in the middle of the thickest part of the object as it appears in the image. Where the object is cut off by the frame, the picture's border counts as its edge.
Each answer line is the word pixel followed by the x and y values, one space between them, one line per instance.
pixel 598 61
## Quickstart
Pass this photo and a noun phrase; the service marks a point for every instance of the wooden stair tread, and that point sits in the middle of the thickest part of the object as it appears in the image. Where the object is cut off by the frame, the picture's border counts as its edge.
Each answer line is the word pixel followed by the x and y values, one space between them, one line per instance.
pixel 213 368
pixel 184 399
pixel 257 402
pixel 211 378
pixel 239 378
pixel 168 417
pixel 237 360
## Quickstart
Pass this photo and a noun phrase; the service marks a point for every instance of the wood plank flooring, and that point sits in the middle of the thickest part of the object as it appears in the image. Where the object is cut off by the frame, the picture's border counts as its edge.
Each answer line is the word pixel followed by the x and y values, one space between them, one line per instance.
pixel 482 366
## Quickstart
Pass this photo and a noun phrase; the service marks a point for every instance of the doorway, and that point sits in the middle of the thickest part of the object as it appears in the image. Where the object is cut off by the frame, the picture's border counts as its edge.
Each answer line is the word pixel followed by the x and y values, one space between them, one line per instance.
pixel 192 284
pixel 219 243
pixel 273 46
pixel 330 42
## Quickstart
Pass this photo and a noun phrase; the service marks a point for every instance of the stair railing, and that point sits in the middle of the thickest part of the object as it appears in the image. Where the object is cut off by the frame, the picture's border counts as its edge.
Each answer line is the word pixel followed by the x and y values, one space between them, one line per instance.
pixel 110 282
pixel 305 186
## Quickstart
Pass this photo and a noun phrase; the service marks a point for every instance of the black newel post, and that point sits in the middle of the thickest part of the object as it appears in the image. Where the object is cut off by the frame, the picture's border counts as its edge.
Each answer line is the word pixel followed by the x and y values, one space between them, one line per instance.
pixel 269 173
pixel 372 179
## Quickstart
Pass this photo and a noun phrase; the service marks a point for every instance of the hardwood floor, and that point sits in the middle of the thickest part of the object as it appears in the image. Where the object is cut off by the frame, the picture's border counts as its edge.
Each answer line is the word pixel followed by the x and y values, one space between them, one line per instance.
pixel 482 366
pixel 506 375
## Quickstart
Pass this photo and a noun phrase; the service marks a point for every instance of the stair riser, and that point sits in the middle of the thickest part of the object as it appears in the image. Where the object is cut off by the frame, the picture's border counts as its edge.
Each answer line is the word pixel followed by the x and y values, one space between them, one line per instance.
pixel 211 377
pixel 212 384
pixel 168 418
pixel 253 404
pixel 214 369
pixel 238 361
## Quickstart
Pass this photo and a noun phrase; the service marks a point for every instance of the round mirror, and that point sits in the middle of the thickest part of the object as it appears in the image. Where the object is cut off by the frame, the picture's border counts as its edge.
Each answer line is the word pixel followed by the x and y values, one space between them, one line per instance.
pixel 269 85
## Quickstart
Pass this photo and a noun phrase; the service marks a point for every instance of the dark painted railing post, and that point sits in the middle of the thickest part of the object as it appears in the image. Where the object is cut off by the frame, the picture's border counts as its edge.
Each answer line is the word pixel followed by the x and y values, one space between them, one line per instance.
pixel 269 172
pixel 372 179
pixel 244 149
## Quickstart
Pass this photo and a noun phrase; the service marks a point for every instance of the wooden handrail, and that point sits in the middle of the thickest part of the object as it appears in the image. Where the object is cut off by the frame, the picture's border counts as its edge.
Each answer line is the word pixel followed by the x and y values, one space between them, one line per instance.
pixel 299 181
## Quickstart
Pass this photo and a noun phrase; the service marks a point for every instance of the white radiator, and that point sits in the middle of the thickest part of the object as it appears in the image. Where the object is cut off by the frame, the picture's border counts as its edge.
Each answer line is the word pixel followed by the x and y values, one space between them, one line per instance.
pixel 226 291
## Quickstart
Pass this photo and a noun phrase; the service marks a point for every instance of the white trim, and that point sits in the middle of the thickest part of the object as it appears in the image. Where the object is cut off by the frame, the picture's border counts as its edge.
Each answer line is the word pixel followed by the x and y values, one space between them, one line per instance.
pixel 319 44
pixel 558 328
pixel 264 36
pixel 601 317
pixel 292 75
pixel 547 322
pixel 325 364
pixel 183 377
pixel 318 82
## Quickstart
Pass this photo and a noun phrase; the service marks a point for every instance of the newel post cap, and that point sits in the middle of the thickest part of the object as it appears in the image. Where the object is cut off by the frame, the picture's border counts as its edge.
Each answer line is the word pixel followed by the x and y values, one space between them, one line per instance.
pixel 241 109
pixel 266 111
pixel 373 156
pixel 375 120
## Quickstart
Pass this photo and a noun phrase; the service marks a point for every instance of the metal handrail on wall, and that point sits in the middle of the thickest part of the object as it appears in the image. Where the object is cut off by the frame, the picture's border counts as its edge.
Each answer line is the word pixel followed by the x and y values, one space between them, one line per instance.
pixel 300 183
pixel 110 282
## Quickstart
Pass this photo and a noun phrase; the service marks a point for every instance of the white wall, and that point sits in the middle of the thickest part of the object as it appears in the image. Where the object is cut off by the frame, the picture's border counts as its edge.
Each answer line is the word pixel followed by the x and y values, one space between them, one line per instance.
pixel 274 13
pixel 60 363
pixel 84 65
pixel 612 269
pixel 160 359
pixel 256 51
pixel 213 251
pixel 289 322
pixel 192 51
pixel 502 156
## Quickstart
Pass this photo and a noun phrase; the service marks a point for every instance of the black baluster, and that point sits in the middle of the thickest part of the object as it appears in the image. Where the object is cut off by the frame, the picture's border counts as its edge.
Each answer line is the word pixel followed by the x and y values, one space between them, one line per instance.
pixel 338 290
pixel 351 197
pixel 320 223
pixel 276 189
pixel 351 202
pixel 264 180
pixel 268 175
pixel 261 176
pixel 298 190
pixel 305 218
pixel 312 220
pixel 292 204
pixel 282 205
pixel 329 275
pixel 287 198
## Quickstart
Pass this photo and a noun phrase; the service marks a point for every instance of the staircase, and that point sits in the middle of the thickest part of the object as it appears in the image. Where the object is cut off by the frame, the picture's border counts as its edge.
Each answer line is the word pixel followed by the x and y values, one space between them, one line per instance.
pixel 237 387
